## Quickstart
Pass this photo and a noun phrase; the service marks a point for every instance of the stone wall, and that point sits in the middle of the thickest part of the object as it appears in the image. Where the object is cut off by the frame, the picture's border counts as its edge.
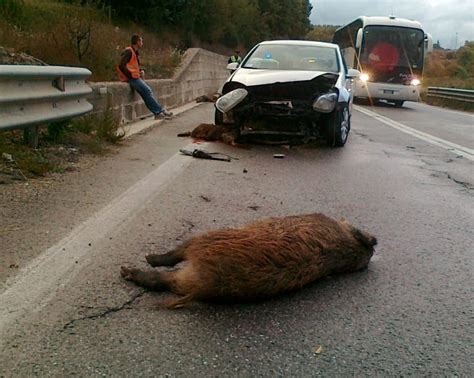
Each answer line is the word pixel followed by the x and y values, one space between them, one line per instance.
pixel 201 73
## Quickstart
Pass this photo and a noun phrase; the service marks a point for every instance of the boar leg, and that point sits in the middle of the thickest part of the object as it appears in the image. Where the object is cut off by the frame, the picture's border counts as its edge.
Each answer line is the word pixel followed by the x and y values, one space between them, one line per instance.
pixel 150 279
pixel 168 259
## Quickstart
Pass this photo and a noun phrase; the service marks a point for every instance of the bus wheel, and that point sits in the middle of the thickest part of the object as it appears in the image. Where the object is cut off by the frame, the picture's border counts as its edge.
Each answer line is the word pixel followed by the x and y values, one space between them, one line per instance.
pixel 338 127
pixel 398 103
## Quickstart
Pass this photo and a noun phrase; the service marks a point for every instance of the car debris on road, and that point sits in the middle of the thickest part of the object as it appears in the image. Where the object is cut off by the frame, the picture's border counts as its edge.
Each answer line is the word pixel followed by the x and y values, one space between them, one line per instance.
pixel 200 154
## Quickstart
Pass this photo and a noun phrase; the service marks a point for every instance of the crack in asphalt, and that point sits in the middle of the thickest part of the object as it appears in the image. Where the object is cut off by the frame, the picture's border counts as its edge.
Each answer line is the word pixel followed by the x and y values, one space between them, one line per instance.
pixel 104 313
pixel 466 185
pixel 362 135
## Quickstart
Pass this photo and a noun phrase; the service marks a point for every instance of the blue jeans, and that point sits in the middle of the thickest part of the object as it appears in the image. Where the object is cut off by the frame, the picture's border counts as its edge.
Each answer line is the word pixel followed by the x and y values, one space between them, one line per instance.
pixel 146 92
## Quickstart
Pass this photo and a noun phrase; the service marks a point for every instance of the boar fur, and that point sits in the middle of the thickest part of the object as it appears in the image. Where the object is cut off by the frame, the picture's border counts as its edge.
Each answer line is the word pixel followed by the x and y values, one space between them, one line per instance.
pixel 260 260
pixel 212 133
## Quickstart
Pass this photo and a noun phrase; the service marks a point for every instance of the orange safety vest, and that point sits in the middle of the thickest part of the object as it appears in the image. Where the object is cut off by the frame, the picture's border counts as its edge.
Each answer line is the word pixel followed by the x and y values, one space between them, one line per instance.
pixel 132 66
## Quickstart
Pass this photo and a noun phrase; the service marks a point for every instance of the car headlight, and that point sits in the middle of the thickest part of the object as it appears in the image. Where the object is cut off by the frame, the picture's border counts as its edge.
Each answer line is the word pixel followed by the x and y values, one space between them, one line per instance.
pixel 364 77
pixel 415 81
pixel 325 103
pixel 231 99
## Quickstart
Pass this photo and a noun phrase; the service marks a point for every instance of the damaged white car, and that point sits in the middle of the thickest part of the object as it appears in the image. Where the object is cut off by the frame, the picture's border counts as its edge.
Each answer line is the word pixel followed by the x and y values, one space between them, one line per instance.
pixel 288 92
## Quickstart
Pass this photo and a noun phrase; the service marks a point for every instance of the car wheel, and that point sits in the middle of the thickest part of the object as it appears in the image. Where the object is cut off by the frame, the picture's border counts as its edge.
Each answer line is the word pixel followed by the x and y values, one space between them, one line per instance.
pixel 338 127
pixel 218 117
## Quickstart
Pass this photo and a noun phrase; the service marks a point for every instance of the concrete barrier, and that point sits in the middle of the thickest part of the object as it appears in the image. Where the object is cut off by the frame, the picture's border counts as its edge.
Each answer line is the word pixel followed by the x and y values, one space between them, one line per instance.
pixel 201 73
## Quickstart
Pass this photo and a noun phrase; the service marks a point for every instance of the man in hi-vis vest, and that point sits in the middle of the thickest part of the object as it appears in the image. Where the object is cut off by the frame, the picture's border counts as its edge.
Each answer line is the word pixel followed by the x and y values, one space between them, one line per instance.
pixel 235 58
pixel 129 71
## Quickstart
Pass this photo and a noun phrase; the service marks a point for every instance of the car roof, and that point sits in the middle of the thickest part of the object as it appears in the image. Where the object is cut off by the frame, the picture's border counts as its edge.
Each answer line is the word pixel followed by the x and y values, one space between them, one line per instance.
pixel 300 43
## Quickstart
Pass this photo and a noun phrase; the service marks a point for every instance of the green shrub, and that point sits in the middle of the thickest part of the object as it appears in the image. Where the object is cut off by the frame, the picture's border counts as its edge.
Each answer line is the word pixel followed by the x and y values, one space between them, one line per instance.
pixel 103 126
pixel 56 130
pixel 108 127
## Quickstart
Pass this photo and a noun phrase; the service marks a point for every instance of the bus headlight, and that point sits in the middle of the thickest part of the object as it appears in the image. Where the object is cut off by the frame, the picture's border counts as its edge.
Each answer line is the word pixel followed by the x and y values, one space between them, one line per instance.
pixel 415 81
pixel 231 99
pixel 325 103
pixel 364 77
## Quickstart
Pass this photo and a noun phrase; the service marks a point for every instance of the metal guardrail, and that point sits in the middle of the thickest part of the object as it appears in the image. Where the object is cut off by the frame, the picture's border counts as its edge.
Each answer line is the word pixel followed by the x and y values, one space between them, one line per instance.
pixel 34 95
pixel 463 95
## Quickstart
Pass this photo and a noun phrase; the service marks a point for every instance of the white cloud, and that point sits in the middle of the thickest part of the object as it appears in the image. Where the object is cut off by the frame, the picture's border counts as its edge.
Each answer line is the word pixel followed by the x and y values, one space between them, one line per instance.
pixel 446 20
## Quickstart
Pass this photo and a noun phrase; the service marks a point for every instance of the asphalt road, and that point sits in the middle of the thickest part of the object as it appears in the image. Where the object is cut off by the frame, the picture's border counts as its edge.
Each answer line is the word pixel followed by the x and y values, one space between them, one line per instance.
pixel 67 311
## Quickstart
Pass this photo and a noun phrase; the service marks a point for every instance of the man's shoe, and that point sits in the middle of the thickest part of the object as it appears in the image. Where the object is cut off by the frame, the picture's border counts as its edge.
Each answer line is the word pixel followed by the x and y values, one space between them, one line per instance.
pixel 164 115
pixel 167 113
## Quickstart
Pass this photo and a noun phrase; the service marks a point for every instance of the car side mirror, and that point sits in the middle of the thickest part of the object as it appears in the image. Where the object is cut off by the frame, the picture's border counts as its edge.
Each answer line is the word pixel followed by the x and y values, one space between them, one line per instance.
pixel 352 73
pixel 428 40
pixel 232 66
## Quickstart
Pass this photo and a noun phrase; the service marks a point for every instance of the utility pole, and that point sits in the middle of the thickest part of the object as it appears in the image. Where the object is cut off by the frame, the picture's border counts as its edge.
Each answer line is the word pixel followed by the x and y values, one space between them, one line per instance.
pixel 456 43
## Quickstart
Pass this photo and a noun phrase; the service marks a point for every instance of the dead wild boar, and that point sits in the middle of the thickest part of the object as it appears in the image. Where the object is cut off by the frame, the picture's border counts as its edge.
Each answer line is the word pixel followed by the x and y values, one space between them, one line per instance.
pixel 257 261
pixel 212 133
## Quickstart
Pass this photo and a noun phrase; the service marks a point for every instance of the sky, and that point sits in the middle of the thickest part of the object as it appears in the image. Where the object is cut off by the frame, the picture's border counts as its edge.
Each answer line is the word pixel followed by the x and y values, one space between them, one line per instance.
pixel 448 21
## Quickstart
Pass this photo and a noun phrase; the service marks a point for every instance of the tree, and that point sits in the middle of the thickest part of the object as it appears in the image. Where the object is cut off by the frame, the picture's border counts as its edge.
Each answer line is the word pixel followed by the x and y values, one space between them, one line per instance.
pixel 465 57
pixel 323 33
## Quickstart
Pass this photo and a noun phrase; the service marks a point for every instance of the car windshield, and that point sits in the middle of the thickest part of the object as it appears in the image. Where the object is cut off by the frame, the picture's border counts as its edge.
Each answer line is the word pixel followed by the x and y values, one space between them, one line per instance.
pixel 293 58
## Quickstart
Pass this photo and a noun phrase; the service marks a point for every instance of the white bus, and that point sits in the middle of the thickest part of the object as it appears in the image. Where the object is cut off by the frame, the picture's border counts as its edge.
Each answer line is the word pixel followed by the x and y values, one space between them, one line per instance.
pixel 389 52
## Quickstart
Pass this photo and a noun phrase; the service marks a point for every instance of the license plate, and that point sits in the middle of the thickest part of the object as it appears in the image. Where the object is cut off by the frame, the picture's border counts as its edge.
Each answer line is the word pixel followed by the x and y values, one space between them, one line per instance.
pixel 388 91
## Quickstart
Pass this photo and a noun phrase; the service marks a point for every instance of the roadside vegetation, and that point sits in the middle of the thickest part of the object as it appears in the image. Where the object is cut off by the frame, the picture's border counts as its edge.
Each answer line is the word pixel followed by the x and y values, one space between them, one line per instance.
pixel 60 33
pixel 323 33
pixel 60 146
pixel 92 33
pixel 450 69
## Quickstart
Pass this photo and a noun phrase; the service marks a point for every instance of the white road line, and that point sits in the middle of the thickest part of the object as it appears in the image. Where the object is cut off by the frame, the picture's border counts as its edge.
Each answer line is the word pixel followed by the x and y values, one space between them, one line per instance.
pixel 36 284
pixel 455 148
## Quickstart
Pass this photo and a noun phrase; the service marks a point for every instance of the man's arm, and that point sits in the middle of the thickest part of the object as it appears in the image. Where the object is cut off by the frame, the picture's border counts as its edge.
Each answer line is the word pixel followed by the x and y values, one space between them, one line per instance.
pixel 126 56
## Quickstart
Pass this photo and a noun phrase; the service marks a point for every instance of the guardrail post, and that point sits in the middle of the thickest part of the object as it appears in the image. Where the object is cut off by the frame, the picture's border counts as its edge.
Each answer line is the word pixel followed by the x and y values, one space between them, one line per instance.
pixel 31 136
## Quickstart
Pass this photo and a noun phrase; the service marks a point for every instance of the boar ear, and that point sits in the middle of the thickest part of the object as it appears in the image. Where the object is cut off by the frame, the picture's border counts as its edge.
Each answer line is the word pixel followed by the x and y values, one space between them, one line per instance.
pixel 363 237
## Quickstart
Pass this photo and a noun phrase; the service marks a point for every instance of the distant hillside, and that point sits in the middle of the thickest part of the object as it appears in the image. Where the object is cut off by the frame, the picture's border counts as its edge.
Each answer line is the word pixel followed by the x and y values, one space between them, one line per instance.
pixel 71 32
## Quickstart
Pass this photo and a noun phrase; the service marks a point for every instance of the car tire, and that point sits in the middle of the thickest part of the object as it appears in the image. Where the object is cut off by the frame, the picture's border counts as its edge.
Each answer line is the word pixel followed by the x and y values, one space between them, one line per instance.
pixel 338 127
pixel 218 117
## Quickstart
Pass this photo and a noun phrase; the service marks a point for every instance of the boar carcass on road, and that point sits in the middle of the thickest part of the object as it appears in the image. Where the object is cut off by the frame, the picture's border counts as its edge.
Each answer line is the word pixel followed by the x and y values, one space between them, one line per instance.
pixel 257 261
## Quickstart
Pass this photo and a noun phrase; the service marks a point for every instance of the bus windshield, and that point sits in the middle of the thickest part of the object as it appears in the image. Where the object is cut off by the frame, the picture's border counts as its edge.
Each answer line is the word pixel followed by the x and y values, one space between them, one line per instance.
pixel 392 54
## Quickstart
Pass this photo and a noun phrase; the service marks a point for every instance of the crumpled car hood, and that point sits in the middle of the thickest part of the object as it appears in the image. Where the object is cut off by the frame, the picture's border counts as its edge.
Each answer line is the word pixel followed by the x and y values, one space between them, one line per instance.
pixel 281 85
pixel 252 77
